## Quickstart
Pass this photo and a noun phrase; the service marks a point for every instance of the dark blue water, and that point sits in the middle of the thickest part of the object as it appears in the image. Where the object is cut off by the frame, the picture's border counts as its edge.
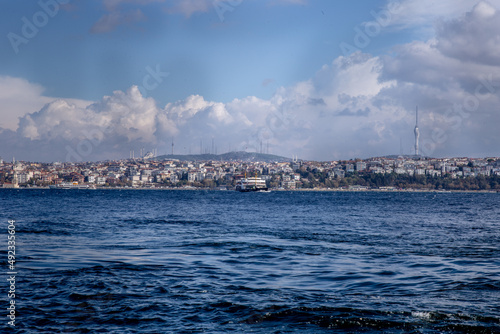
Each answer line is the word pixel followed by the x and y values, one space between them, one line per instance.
pixel 282 262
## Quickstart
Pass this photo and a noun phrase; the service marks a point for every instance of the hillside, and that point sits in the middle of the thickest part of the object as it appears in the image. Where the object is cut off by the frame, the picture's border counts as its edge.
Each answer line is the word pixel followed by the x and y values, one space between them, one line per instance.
pixel 230 156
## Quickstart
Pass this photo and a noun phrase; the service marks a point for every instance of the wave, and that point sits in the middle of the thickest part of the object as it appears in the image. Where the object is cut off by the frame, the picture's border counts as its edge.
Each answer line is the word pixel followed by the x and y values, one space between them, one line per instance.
pixel 139 221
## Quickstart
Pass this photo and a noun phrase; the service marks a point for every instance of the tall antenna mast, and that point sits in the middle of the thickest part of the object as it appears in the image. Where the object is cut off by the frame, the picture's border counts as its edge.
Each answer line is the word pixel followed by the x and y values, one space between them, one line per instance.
pixel 417 132
pixel 416 117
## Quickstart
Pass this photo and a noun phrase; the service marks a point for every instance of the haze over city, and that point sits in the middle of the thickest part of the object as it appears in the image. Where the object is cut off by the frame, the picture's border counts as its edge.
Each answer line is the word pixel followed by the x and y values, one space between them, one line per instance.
pixel 321 80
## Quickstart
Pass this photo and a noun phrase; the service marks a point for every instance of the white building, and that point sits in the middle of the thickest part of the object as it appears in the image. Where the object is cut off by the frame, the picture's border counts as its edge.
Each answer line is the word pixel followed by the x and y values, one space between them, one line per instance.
pixel 174 178
pixel 419 171
pixel 24 177
pixel 360 166
pixel 100 180
pixel 288 184
pixel 192 177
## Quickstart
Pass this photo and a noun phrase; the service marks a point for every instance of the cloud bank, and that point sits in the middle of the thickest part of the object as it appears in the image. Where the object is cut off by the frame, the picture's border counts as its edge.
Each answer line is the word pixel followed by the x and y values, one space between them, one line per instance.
pixel 360 105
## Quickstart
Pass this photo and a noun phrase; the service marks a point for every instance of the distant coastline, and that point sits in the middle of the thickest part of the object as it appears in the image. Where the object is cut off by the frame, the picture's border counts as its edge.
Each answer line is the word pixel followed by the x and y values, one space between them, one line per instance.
pixel 272 190
pixel 389 173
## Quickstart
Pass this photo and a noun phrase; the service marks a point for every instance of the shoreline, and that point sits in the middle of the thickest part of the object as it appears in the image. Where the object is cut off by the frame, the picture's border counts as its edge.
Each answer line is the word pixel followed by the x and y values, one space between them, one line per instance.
pixel 272 190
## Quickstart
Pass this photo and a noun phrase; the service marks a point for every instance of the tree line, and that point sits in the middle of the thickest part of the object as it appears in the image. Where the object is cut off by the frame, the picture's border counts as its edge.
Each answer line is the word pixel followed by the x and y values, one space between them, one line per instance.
pixel 400 181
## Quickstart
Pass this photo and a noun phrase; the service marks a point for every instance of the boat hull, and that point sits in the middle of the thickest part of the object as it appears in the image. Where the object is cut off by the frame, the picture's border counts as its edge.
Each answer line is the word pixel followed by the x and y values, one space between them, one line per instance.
pixel 248 190
pixel 69 186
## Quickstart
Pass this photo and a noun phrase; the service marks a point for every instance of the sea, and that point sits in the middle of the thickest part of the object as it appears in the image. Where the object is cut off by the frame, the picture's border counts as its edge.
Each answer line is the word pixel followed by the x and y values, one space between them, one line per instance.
pixel 194 261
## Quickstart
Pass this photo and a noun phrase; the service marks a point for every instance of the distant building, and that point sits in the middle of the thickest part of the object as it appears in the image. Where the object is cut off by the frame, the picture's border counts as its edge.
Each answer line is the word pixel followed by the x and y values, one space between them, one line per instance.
pixel 192 177
pixel 399 170
pixel 419 171
pixel 432 172
pixel 339 172
pixel 360 166
pixel 377 170
pixel 101 180
pixel 24 177
pixel 135 179
pixel 174 178
pixel 289 184
pixel 358 188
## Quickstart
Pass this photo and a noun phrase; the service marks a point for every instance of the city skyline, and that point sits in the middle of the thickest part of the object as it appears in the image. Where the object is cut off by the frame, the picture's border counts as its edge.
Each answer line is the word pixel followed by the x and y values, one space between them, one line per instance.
pixel 382 173
pixel 92 81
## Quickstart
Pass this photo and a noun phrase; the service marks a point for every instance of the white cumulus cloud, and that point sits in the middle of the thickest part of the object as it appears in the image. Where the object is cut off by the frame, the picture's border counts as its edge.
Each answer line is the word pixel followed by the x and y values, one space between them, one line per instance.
pixel 356 106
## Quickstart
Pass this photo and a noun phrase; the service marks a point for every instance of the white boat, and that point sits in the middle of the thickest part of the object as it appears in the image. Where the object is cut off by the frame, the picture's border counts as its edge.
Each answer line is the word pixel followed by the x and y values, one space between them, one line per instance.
pixel 70 185
pixel 251 184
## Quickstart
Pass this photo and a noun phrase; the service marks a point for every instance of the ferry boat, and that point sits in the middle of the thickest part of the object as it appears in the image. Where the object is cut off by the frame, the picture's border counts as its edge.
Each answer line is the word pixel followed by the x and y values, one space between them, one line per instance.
pixel 69 185
pixel 251 184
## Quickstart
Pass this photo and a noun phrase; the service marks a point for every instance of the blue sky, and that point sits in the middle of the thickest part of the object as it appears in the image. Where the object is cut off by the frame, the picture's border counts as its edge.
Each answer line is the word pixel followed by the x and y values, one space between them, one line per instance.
pixel 258 42
pixel 235 67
